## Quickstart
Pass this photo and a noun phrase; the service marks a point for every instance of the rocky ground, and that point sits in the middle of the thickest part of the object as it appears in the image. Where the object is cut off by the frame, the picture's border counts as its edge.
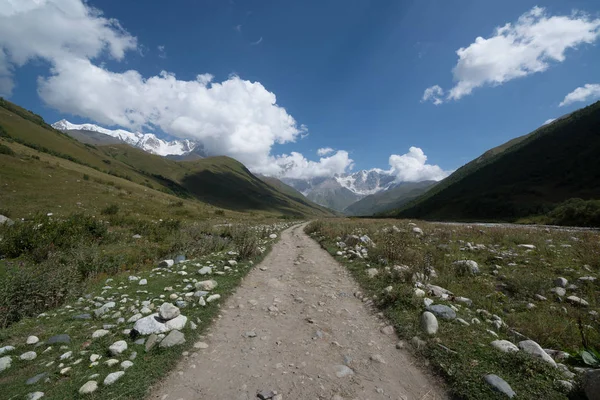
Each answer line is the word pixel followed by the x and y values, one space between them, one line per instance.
pixel 125 333
pixel 295 330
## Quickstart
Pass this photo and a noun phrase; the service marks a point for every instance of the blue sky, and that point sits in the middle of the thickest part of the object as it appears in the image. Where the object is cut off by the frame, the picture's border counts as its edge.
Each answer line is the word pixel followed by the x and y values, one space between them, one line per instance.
pixel 353 72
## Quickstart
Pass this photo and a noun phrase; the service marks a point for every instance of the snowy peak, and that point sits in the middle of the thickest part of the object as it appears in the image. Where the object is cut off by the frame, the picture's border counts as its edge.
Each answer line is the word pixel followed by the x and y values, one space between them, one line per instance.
pixel 145 141
pixel 366 182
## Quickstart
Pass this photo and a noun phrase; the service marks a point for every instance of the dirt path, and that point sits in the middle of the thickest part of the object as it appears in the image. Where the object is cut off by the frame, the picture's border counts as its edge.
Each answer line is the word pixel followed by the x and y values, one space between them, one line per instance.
pixel 292 327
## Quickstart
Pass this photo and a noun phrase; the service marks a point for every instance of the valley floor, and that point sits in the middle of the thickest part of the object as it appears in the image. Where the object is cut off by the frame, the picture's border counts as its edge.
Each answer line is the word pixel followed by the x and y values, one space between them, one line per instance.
pixel 295 330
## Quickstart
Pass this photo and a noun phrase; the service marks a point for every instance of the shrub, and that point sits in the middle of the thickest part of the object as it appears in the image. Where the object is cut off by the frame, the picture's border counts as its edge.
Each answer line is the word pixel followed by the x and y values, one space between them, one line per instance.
pixel 6 150
pixel 86 177
pixel 113 209
pixel 576 212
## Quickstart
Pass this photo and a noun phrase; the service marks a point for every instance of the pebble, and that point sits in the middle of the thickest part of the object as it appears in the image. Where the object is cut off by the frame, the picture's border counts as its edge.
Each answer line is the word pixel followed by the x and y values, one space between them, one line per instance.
pixel 126 364
pixel 387 330
pixel 377 358
pixel 118 347
pixel 429 323
pixel 35 395
pixel 32 340
pixel 342 371
pixel 505 346
pixel 174 338
pixel 28 356
pixel 5 363
pixel 99 333
pixel 200 345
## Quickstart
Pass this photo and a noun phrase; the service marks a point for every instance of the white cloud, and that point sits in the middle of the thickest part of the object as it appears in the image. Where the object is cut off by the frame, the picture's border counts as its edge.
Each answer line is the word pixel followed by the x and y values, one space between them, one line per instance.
pixel 413 167
pixel 433 93
pixel 295 165
pixel 549 121
pixel 590 91
pixel 259 41
pixel 324 151
pixel 161 51
pixel 520 49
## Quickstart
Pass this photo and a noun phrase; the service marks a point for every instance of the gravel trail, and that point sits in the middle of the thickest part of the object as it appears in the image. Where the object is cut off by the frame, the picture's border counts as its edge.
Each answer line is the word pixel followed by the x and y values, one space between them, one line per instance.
pixel 294 327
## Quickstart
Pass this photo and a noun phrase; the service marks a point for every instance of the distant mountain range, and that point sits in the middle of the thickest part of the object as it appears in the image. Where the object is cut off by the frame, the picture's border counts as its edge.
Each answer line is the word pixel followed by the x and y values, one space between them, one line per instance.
pixel 338 193
pixel 527 177
pixel 94 134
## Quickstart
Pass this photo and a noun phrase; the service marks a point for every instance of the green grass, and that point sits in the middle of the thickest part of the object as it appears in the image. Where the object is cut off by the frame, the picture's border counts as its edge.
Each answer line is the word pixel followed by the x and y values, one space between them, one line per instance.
pixel 148 367
pixel 523 273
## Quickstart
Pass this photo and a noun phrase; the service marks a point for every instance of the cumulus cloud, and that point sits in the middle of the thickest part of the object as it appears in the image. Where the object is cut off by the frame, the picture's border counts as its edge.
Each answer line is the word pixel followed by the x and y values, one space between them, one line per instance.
pixel 234 117
pixel 413 167
pixel 549 121
pixel 433 93
pixel 519 49
pixel 590 91
pixel 162 53
pixel 324 151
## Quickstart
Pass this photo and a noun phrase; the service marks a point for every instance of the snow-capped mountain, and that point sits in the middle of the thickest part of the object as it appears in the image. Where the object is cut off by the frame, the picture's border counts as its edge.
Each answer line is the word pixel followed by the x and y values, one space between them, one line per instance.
pixel 343 190
pixel 145 141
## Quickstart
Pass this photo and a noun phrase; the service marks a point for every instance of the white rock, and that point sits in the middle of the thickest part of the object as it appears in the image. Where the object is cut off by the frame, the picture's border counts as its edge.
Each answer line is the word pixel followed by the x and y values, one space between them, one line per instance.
pixel 65 371
pixel 416 230
pixel 95 357
pixel 150 324
pixel 531 347
pixel 200 345
pixel 527 246
pixel 143 282
pixel 99 333
pixel 111 362
pixel 134 318
pixel 429 323
pixel 6 349
pixel 176 323
pixel 212 298
pixel 419 292
pixel 166 264
pixel 577 301
pixel 113 377
pixel 561 282
pixel 30 355
pixel 88 387
pixel 205 271
pixel 126 364
pixel 118 347
pixel 5 363
pixel 206 285
pixel 35 395
pixel 504 346
pixel 232 263
pixel 168 311
pixel 32 340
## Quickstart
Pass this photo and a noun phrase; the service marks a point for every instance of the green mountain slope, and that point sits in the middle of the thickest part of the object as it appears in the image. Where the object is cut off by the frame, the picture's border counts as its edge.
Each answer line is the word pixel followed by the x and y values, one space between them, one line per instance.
pixel 218 181
pixel 291 192
pixel 527 176
pixel 388 199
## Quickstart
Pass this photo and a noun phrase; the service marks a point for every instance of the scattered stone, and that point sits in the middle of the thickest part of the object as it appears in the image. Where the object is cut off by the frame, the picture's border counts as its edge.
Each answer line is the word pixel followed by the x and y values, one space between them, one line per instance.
pixel 250 334
pixel 266 394
pixel 417 342
pixel 540 297
pixel 66 355
pixel 62 338
pixel 36 378
pixel 143 282
pixel 500 385
pixel 102 310
pixel 168 311
pixel 82 316
pixel 32 340
pixel 200 345
pixel 151 342
pixel 111 362
pixel 429 323
pixel 419 292
pixel 117 347
pixel 212 298
pixel 205 271
pixel 28 356
pixel 559 291
pixel 462 321
pixel 469 266
pixel 113 377
pixel 578 301
pixel 5 363
pixel 417 231
pixel 342 371
pixel 531 347
pixel 6 349
pixel 505 346
pixel 126 364
pixel 527 246
pixel 174 338
pixel 95 357
pixel 35 395
pixel 206 285
pixel 442 311
pixel 99 333
pixel 88 387
pixel 65 371
pixel 6 220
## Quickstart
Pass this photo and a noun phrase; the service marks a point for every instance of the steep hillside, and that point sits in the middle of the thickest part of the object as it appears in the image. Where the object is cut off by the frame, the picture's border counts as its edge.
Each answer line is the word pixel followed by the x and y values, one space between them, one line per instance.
pixel 389 199
pixel 331 194
pixel 527 176
pixel 42 154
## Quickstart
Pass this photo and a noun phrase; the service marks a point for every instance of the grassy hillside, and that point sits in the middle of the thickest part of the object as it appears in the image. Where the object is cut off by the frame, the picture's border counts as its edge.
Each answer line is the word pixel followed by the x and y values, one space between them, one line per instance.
pixel 526 177
pixel 389 199
pixel 53 163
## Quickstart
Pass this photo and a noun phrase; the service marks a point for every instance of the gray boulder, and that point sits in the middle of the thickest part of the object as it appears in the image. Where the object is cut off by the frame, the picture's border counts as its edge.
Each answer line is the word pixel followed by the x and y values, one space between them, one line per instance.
pixel 499 385
pixel 62 338
pixel 442 311
pixel 168 311
pixel 429 323
pixel 531 347
pixel 591 384
pixel 174 338
pixel 504 346
pixel 468 266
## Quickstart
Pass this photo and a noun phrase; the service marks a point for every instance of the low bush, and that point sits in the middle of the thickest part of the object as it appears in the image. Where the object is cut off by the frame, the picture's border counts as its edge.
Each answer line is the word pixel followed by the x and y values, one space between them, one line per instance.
pixel 6 150
pixel 576 212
